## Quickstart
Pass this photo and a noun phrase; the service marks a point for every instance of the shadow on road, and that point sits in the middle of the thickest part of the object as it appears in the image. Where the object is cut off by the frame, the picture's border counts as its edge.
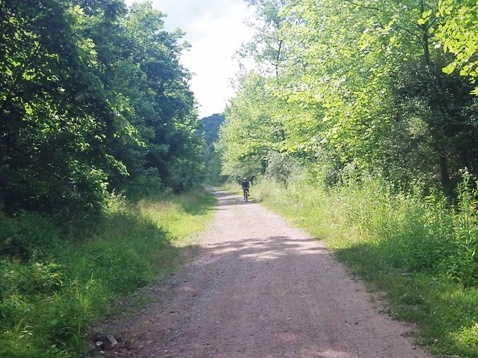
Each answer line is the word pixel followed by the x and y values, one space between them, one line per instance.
pixel 225 198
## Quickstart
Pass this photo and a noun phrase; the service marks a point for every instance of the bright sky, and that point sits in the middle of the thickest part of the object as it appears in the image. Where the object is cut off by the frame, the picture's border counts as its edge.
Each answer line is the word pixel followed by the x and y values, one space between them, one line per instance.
pixel 215 29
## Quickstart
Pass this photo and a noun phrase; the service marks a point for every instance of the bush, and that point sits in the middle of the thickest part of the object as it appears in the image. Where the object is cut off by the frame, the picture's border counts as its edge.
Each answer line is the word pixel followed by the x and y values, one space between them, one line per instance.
pixel 148 184
pixel 27 236
pixel 282 168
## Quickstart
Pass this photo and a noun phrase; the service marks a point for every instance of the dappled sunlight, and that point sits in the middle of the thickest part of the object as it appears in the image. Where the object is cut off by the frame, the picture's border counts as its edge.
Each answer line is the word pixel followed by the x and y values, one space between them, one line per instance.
pixel 269 248
pixel 280 293
pixel 226 198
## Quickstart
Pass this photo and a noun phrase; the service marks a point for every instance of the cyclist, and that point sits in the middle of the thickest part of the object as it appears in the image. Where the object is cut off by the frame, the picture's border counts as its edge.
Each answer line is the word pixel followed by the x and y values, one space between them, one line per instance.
pixel 245 188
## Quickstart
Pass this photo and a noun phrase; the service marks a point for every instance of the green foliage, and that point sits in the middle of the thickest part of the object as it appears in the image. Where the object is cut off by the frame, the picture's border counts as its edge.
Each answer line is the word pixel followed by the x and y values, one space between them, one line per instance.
pixel 250 131
pixel 457 35
pixel 27 237
pixel 53 136
pixel 282 168
pixel 147 184
pixel 213 166
pixel 434 119
pixel 161 106
pixel 210 127
pixel 93 99
pixel 267 47
pixel 353 85
pixel 419 235
pixel 48 300
pixel 210 131
pixel 121 266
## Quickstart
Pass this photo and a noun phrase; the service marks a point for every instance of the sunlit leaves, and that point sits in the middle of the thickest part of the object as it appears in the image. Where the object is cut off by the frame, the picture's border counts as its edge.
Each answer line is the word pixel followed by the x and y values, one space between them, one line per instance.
pixel 250 131
pixel 458 34
pixel 160 101
pixel 357 82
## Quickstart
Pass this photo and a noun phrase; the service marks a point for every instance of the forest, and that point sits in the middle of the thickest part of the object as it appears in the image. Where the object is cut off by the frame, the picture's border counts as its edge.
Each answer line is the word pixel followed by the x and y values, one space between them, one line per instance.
pixel 93 101
pixel 359 120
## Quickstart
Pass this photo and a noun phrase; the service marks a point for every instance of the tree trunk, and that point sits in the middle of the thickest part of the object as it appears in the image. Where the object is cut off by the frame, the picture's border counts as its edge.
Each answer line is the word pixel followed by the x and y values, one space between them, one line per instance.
pixel 425 36
pixel 444 170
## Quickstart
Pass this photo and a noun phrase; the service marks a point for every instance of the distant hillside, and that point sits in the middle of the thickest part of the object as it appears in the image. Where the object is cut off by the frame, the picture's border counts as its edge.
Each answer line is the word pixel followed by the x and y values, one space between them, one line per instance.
pixel 210 127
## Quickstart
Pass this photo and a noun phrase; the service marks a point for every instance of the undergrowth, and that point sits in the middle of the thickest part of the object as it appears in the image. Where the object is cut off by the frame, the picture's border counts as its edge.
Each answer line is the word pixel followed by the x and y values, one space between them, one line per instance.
pixel 54 286
pixel 417 251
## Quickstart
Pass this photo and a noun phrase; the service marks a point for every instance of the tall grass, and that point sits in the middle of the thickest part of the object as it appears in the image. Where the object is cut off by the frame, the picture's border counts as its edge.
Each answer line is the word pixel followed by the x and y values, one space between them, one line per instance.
pixel 171 215
pixel 419 252
pixel 53 287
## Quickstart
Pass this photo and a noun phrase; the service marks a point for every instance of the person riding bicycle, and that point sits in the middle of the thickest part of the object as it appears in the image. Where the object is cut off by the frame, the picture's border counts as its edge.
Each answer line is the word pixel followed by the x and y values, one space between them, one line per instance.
pixel 245 188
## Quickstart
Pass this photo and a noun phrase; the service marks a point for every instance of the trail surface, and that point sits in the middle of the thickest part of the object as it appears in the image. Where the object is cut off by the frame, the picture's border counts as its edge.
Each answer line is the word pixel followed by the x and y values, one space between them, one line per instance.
pixel 260 288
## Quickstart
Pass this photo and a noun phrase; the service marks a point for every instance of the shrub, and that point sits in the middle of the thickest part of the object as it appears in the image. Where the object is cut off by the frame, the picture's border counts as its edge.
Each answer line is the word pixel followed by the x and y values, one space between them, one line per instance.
pixel 27 236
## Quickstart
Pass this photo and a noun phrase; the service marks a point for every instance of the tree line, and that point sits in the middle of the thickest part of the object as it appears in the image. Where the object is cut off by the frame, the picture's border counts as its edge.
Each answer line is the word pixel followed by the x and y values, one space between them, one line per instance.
pixel 359 87
pixel 93 101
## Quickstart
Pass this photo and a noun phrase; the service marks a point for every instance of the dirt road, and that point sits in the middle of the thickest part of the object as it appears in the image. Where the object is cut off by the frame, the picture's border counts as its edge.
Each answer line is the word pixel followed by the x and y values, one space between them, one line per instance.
pixel 260 288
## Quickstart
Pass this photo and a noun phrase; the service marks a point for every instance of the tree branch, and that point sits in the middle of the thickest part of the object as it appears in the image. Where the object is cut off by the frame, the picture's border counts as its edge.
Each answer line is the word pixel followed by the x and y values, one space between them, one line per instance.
pixel 363 6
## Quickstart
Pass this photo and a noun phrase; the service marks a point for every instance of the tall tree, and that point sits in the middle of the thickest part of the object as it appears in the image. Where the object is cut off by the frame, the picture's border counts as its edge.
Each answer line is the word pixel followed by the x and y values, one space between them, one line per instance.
pixel 210 131
pixel 351 60
pixel 251 129
pixel 164 107
pixel 52 141
pixel 93 98
pixel 267 46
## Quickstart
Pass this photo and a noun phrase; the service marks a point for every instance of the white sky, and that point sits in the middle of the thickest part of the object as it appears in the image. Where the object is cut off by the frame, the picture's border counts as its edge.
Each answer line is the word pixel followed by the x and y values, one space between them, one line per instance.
pixel 215 29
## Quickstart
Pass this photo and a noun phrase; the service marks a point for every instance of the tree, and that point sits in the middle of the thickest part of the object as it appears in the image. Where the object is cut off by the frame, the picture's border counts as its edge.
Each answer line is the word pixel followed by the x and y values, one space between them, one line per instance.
pixel 267 46
pixel 359 88
pixel 210 131
pixel 52 144
pixel 251 129
pixel 457 34
pixel 163 105
pixel 93 98
pixel 350 61
pixel 435 126
pixel 210 127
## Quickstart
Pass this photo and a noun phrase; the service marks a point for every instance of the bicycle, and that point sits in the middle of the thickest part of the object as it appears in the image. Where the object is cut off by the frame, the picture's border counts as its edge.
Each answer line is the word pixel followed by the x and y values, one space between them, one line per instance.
pixel 246 194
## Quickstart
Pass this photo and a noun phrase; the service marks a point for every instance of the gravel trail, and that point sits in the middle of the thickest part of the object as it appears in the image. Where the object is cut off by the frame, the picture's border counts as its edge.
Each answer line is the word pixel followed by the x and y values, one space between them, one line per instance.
pixel 260 288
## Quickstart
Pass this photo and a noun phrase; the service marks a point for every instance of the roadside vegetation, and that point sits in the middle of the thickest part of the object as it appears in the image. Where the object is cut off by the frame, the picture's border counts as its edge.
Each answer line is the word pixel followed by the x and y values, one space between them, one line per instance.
pixel 419 254
pixel 55 285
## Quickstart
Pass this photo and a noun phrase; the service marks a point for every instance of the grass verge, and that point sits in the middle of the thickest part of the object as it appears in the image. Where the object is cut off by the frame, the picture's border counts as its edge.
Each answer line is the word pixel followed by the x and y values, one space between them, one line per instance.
pixel 53 287
pixel 417 253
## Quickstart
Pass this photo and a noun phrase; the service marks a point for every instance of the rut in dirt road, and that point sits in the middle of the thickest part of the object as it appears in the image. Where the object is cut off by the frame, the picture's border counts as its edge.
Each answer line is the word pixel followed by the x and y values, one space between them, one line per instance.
pixel 260 288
